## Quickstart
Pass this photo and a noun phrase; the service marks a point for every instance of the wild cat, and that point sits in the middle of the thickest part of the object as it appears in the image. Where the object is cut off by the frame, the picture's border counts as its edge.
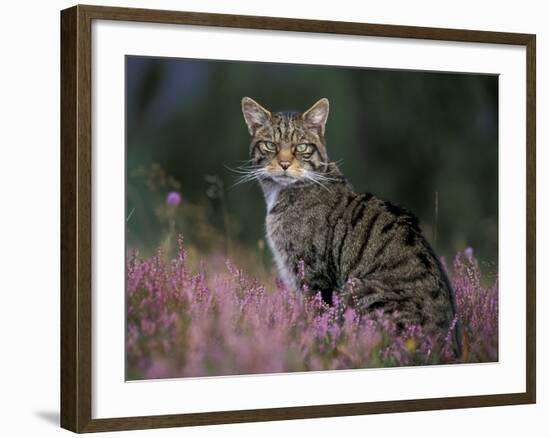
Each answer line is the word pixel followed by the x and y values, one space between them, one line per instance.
pixel 356 245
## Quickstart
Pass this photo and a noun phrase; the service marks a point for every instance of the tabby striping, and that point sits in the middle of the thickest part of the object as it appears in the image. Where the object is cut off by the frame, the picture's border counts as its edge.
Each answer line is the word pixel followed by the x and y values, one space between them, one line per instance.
pixel 357 245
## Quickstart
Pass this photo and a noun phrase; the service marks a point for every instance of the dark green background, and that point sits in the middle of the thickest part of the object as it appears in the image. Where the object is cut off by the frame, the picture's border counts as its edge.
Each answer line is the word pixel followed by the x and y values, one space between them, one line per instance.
pixel 402 135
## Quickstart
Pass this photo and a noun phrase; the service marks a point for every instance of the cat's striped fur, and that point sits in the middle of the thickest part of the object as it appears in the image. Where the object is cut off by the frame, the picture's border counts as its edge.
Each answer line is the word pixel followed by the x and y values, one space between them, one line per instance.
pixel 366 249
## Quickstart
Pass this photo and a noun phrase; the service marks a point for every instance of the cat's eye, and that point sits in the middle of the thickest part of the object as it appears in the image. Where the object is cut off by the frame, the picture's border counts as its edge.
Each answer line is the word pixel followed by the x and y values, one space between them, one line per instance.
pixel 301 148
pixel 269 146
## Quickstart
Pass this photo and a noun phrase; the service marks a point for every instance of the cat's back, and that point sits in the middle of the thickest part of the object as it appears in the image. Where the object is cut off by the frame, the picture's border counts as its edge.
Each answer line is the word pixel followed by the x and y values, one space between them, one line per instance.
pixel 372 232
pixel 379 240
pixel 381 247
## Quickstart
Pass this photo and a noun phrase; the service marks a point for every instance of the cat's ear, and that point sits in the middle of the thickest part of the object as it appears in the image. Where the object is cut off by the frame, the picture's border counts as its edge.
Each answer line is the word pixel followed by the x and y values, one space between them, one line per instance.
pixel 254 114
pixel 317 115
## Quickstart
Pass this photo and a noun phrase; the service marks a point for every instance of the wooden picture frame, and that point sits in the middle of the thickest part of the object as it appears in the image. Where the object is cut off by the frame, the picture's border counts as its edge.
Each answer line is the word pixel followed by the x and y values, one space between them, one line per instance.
pixel 76 217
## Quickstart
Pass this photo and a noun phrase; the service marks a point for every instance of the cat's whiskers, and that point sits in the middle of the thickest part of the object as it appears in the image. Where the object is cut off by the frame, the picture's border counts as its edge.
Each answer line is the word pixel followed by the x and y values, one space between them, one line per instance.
pixel 250 160
pixel 247 173
pixel 243 169
pixel 327 176
pixel 337 162
pixel 251 176
pixel 315 178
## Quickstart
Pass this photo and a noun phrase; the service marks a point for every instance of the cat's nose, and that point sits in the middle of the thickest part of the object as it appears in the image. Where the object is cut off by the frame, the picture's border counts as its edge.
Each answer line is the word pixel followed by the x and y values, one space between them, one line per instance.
pixel 284 164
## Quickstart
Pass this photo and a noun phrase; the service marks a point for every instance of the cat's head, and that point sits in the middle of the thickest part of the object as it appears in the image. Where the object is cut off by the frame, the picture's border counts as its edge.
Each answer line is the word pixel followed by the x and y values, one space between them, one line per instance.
pixel 287 147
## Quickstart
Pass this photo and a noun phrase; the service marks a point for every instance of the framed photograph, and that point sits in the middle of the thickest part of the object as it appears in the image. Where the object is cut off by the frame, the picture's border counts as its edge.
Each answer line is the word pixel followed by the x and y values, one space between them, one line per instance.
pixel 267 218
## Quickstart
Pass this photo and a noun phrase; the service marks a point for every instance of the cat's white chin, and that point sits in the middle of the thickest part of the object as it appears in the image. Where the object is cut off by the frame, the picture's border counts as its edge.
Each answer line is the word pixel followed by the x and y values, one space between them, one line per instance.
pixel 283 180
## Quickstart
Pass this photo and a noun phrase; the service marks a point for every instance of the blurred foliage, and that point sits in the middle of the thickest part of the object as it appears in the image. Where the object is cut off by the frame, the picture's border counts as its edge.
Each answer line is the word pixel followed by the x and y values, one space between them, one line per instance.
pixel 402 135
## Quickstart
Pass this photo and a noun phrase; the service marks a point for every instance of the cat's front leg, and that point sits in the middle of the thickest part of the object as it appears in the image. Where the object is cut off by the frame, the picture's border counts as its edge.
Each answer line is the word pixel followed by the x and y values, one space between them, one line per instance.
pixel 313 281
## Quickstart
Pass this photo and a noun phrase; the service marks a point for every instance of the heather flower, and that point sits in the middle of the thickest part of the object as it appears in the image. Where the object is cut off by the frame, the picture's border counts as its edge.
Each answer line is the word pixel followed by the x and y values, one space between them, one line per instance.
pixel 173 199
pixel 183 322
